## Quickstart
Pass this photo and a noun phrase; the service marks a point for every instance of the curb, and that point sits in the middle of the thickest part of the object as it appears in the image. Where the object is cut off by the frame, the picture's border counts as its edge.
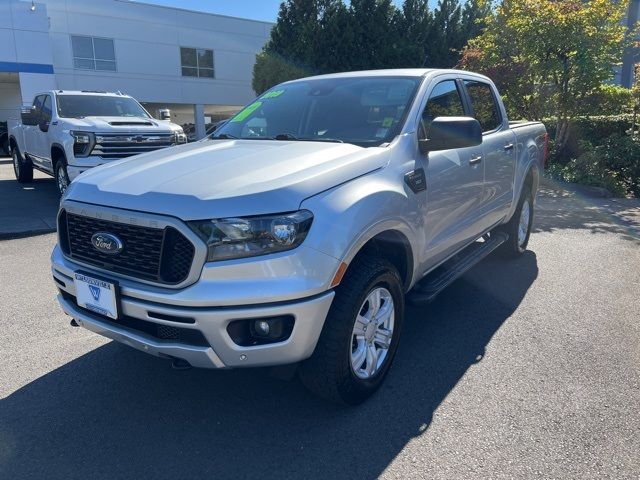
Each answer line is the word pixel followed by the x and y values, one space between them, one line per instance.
pixel 26 233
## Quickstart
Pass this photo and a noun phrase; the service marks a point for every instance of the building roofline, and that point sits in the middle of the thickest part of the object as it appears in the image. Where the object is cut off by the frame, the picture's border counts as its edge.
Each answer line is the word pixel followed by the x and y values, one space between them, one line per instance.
pixel 199 12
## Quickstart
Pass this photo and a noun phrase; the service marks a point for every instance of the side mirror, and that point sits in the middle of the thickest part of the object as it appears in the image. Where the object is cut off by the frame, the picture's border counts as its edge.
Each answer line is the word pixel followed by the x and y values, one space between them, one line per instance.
pixel 44 126
pixel 446 133
pixel 28 115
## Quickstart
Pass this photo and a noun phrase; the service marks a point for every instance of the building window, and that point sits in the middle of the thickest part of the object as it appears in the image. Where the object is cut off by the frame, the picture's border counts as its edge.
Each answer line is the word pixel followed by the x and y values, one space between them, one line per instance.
pixel 92 53
pixel 196 62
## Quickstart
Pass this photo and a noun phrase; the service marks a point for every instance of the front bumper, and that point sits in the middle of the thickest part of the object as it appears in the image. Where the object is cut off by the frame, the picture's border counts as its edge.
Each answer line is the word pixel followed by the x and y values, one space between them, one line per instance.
pixel 219 350
pixel 222 352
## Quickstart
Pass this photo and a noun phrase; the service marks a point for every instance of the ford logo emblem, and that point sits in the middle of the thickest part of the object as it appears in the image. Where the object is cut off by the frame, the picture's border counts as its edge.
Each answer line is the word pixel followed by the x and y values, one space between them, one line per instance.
pixel 107 243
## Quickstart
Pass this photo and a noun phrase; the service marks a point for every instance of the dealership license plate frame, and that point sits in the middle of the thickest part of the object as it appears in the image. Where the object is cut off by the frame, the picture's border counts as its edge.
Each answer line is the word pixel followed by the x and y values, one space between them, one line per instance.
pixel 105 284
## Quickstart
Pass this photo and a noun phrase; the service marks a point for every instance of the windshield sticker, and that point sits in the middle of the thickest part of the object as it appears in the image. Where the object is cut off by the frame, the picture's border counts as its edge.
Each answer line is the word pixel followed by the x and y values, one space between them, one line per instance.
pixel 382 132
pixel 246 112
pixel 274 94
pixel 387 122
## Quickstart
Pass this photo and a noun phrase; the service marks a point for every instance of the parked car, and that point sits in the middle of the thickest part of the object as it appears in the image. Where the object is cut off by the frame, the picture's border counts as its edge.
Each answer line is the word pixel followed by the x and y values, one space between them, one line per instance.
pixel 65 133
pixel 297 232
pixel 4 139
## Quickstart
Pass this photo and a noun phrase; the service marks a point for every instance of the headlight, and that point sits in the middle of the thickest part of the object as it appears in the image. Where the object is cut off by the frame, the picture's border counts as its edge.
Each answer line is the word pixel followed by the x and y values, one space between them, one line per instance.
pixel 229 238
pixel 181 137
pixel 83 143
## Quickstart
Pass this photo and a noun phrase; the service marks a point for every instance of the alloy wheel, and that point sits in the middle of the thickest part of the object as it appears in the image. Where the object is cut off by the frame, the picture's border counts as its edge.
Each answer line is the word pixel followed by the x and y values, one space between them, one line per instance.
pixel 372 333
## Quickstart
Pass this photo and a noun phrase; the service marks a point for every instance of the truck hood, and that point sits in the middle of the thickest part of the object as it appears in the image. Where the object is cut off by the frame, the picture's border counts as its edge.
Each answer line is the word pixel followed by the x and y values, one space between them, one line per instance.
pixel 225 178
pixel 125 124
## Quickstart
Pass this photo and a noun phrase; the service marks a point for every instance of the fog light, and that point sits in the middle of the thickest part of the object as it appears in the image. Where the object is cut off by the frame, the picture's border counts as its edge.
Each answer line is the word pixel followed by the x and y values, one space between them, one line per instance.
pixel 262 327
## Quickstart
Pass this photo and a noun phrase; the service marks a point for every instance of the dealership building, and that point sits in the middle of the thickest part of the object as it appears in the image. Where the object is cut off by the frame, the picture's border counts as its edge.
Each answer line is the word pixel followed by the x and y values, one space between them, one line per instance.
pixel 196 64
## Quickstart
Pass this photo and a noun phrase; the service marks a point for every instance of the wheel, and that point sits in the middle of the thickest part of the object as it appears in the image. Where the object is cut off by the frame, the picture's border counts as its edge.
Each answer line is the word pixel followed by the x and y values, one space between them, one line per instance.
pixel 360 335
pixel 4 146
pixel 519 227
pixel 62 178
pixel 22 168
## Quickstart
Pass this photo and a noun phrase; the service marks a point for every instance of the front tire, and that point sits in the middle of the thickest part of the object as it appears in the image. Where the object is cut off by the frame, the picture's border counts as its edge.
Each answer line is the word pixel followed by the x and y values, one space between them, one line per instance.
pixel 519 227
pixel 360 335
pixel 62 177
pixel 22 168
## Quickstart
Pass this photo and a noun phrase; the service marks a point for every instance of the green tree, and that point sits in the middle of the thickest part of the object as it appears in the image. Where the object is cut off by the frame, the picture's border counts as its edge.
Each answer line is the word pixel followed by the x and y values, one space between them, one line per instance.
pixel 324 36
pixel 563 50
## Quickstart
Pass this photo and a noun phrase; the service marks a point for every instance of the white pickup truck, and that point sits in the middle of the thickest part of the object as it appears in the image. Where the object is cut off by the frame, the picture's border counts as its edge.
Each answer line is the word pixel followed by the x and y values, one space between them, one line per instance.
pixel 64 133
pixel 294 233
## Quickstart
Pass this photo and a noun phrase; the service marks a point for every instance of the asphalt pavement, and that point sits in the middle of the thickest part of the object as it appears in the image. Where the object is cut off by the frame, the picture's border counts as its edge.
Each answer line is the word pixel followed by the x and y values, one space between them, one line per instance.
pixel 521 369
pixel 28 207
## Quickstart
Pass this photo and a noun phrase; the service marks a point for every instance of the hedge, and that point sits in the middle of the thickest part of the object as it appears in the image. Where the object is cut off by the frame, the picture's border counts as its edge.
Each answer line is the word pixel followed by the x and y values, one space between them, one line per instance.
pixel 590 129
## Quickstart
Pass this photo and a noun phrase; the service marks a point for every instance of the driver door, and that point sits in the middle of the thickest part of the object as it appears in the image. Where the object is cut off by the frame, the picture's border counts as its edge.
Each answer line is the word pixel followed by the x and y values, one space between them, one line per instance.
pixel 32 133
pixel 454 179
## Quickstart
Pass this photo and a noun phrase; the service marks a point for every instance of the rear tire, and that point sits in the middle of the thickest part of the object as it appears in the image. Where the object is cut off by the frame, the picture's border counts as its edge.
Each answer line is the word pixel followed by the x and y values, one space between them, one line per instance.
pixel 360 335
pixel 519 227
pixel 22 168
pixel 61 175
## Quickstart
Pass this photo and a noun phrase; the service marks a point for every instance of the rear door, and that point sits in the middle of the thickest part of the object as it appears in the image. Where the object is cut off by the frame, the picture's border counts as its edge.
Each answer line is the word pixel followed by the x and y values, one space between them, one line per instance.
pixel 42 146
pixel 498 150
pixel 454 179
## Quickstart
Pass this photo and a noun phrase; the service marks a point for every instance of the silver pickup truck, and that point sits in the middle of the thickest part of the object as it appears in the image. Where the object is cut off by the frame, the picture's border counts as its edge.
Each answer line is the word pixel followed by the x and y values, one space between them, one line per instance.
pixel 64 132
pixel 297 232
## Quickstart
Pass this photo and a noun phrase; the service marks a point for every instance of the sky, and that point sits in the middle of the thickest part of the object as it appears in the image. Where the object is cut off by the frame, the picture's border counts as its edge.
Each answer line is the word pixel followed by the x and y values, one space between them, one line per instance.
pixel 266 10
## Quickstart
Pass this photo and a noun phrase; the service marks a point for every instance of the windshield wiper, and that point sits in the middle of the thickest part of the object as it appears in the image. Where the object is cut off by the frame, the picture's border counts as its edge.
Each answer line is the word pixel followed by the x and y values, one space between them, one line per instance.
pixel 289 136
pixel 285 136
pixel 223 136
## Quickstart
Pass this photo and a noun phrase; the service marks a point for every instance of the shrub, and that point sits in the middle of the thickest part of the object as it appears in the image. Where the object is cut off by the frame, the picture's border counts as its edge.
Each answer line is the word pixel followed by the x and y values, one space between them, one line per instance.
pixel 585 132
pixel 614 165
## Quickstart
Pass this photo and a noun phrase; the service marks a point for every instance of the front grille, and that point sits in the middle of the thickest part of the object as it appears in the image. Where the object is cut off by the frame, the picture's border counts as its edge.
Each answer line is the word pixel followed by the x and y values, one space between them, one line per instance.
pixel 154 254
pixel 186 336
pixel 121 145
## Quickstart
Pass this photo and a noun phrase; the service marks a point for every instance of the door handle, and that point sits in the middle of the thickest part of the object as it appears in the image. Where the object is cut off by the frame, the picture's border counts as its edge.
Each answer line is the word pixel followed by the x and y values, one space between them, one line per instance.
pixel 508 146
pixel 475 160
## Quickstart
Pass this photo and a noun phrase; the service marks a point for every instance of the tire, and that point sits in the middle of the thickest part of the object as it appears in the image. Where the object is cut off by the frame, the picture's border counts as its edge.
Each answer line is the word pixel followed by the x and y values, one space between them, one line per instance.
pixel 61 176
pixel 519 227
pixel 329 372
pixel 22 168
pixel 4 147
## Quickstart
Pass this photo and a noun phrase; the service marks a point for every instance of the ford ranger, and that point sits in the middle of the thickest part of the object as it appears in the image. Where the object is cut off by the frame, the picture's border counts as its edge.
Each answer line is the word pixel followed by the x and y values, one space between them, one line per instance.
pixel 66 132
pixel 296 233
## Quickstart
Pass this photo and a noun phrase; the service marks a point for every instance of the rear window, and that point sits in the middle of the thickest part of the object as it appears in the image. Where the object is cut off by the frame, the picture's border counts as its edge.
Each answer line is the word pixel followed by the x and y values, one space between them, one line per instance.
pixel 484 105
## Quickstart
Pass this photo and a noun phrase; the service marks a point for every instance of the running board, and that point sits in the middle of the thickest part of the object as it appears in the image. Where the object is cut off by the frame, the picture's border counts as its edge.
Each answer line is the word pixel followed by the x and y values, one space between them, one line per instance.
pixel 443 276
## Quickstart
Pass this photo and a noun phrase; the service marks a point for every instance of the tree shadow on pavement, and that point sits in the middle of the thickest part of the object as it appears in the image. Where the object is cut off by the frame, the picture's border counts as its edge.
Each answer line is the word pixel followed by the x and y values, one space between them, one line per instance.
pixel 560 208
pixel 117 413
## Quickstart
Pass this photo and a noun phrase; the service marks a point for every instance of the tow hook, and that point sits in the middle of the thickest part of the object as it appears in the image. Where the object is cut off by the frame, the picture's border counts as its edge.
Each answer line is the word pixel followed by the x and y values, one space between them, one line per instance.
pixel 180 364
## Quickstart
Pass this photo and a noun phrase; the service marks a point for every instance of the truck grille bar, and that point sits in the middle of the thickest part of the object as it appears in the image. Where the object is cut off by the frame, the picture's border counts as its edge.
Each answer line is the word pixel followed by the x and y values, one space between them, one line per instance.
pixel 162 255
pixel 121 145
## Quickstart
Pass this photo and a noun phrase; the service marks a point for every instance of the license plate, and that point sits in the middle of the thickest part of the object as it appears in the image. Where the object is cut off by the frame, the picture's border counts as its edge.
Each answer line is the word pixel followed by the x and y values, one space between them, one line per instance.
pixel 98 295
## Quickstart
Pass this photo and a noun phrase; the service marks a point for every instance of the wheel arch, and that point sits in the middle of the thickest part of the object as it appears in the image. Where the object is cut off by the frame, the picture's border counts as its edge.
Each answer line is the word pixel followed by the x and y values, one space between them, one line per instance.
pixel 57 153
pixel 389 243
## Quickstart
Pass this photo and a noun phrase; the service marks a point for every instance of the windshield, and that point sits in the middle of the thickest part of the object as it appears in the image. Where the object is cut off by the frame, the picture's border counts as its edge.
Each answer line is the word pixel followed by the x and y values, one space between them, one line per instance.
pixel 365 111
pixel 76 106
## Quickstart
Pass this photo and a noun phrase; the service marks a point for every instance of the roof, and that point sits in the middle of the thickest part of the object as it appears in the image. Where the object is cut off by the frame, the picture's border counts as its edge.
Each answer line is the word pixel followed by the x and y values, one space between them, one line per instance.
pixel 90 92
pixel 395 72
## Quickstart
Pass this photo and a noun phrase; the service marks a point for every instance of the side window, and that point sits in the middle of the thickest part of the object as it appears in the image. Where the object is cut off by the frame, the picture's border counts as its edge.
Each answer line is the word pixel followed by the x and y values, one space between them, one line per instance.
pixel 444 101
pixel 484 105
pixel 37 104
pixel 46 109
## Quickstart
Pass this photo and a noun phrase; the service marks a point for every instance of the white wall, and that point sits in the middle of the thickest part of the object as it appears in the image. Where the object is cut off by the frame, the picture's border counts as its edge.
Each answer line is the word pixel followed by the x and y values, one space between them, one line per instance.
pixel 147 40
pixel 24 49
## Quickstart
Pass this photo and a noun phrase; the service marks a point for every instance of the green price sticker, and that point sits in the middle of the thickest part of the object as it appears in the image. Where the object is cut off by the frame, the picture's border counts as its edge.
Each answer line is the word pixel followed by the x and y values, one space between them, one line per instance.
pixel 274 94
pixel 246 112
pixel 387 122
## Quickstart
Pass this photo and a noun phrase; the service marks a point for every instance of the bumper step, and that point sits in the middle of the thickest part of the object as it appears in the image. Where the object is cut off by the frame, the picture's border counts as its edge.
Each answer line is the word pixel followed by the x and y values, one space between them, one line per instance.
pixel 429 287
